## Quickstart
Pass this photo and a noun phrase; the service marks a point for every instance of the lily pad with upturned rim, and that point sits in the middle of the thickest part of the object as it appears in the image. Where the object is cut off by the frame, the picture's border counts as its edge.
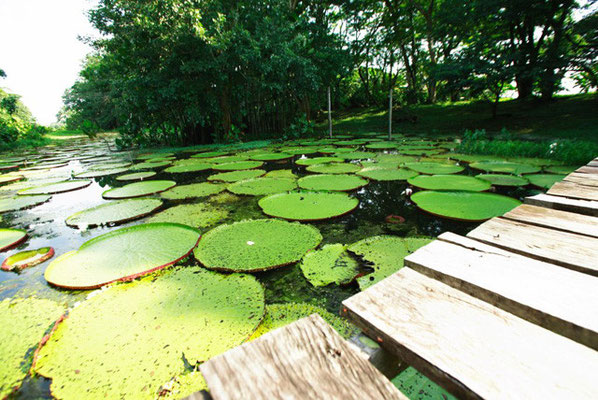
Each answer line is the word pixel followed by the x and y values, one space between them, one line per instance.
pixel 256 245
pixel 11 237
pixel 197 215
pixel 122 254
pixel 330 264
pixel 262 186
pixel 193 190
pixel 136 176
pixel 449 182
pixel 27 259
pixel 433 168
pixel 10 178
pixel 235 176
pixel 101 173
pixel 138 189
pixel 308 205
pixel 387 174
pixel 116 212
pixel 271 156
pixel 504 179
pixel 334 168
pixel 505 167
pixel 58 187
pixel 544 181
pixel 238 166
pixel 318 160
pixel 281 173
pixel 464 206
pixel 22 202
pixel 188 167
pixel 561 169
pixel 334 182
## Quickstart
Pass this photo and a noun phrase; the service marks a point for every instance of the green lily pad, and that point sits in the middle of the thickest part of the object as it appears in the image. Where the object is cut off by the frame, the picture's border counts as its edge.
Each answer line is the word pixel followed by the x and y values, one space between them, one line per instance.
pixel 58 187
pixel 356 155
pixel 136 176
pixel 115 212
pixel 281 173
pixel 417 386
pixel 334 182
pixel 238 166
pixel 262 186
pixel 150 156
pixel 210 154
pixel 101 173
pixel 386 174
pixel 505 167
pixel 196 215
pixel 27 259
pixel 270 156
pixel 385 255
pixel 188 167
pixel 561 169
pixel 544 181
pixel 236 176
pixel 10 178
pixel 24 322
pixel 465 206
pixel 279 315
pixel 130 338
pixel 471 158
pixel 504 179
pixel 318 160
pixel 138 189
pixel 382 146
pixel 308 206
pixel 330 264
pixel 434 168
pixel 149 165
pixel 449 182
pixel 22 202
pixel 227 159
pixel 11 237
pixel 256 245
pixel 334 168
pixel 297 151
pixel 122 254
pixel 193 190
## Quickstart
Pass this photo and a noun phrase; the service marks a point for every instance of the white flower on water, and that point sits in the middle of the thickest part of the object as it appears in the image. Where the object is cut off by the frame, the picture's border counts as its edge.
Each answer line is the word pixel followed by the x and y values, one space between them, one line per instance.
pixel 407 192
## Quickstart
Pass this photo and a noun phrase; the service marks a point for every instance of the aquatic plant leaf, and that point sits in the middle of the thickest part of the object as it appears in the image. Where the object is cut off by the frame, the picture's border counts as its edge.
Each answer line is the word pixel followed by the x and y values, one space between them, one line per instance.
pixel 449 182
pixel 130 338
pixel 307 206
pixel 505 167
pixel 544 181
pixel 58 187
pixel 330 264
pixel 122 254
pixel 138 189
pixel 193 190
pixel 188 167
pixel 236 176
pixel 10 178
pixel 196 215
pixel 238 166
pixel 355 155
pixel 23 323
pixel 210 154
pixel 27 259
pixel 262 186
pixel 465 206
pixel 183 386
pixel 279 315
pixel 227 159
pixel 281 173
pixel 270 156
pixel 385 255
pixel 334 168
pixel 381 146
pixel 136 176
pixel 504 179
pixel 387 174
pixel 334 182
pixel 561 169
pixel 434 168
pixel 417 386
pixel 298 151
pixel 115 212
pixel 22 202
pixel 149 165
pixel 11 237
pixel 101 173
pixel 318 160
pixel 256 245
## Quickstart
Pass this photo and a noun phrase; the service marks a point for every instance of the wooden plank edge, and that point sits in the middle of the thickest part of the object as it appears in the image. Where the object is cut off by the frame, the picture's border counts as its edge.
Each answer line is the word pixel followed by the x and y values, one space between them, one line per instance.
pixel 583 207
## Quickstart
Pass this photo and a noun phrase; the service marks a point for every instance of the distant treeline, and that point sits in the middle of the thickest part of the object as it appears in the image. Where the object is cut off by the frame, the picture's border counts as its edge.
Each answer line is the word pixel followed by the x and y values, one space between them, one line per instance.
pixel 196 71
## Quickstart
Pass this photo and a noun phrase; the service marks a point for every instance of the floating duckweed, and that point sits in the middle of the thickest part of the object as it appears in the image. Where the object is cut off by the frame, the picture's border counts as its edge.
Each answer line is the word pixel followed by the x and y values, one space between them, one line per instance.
pixel 136 176
pixel 195 215
pixel 11 237
pixel 334 168
pixel 504 179
pixel 193 190
pixel 256 245
pixel 114 213
pixel 262 186
pixel 238 166
pixel 130 338
pixel 22 202
pixel 335 182
pixel 58 187
pixel 183 386
pixel 308 206
pixel 505 167
pixel 434 168
pixel 138 189
pixel 387 174
pixel 330 264
pixel 449 182
pixel 544 181
pixel 236 176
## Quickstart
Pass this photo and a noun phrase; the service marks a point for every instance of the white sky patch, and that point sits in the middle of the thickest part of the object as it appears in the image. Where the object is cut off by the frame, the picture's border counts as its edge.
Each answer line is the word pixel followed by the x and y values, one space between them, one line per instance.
pixel 40 52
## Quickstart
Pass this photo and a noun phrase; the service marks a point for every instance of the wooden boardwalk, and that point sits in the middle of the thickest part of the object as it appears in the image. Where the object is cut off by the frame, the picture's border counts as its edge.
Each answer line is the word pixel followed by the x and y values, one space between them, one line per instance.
pixel 508 312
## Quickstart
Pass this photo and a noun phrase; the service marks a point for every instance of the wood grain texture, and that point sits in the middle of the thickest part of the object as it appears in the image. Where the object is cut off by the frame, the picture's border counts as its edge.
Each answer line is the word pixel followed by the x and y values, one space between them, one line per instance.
pixel 556 298
pixel 585 207
pixel 470 347
pixel 555 219
pixel 566 249
pixel 574 191
pixel 588 170
pixel 583 179
pixel 304 360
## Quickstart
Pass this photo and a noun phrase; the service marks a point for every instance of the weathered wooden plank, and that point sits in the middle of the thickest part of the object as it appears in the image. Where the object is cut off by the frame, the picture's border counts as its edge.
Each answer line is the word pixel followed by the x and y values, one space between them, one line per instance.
pixel 585 207
pixel 569 250
pixel 470 347
pixel 304 360
pixel 559 299
pixel 582 179
pixel 593 163
pixel 555 219
pixel 588 170
pixel 574 191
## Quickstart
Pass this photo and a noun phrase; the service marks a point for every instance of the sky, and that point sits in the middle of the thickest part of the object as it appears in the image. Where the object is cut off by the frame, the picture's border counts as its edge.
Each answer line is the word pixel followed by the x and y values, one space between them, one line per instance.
pixel 40 51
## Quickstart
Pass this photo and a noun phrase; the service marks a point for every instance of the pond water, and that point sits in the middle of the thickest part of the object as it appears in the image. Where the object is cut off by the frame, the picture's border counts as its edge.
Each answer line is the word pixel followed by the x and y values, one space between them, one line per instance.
pixel 46 225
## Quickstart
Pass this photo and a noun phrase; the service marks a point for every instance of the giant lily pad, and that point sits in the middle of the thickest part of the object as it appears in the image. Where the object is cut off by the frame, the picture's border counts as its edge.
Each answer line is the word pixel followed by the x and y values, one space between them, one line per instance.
pixel 23 323
pixel 281 173
pixel 335 182
pixel 318 160
pixel 122 254
pixel 238 166
pixel 271 156
pixel 22 202
pixel 197 215
pixel 330 264
pixel 308 206
pixel 466 206
pixel 236 176
pixel 114 213
pixel 505 167
pixel 10 178
pixel 262 186
pixel 101 173
pixel 188 167
pixel 561 169
pixel 138 189
pixel 334 168
pixel 417 386
pixel 449 182
pixel 136 176
pixel 210 154
pixel 504 179
pixel 434 168
pixel 58 187
pixel 131 338
pixel 27 259
pixel 10 238
pixel 387 174
pixel 150 165
pixel 544 181
pixel 256 245
pixel 382 146
pixel 385 255
pixel 193 190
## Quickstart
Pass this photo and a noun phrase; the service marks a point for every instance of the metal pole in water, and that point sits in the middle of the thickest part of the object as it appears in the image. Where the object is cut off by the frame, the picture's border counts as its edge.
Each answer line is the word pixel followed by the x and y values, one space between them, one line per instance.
pixel 390 115
pixel 329 114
